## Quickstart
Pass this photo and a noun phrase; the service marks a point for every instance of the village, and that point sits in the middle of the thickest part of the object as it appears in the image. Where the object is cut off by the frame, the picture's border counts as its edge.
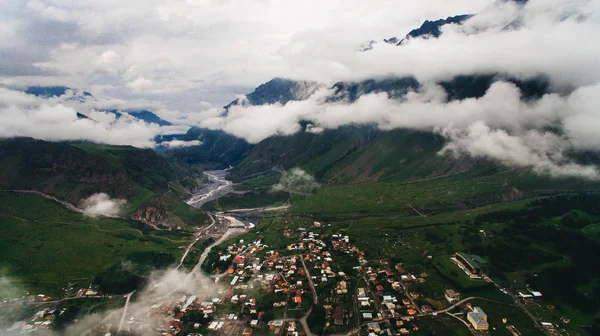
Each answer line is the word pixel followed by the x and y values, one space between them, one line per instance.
pixel 317 283
pixel 314 286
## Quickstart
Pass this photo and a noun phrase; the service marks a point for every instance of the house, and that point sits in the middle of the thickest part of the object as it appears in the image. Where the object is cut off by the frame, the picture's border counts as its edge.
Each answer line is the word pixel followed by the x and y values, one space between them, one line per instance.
pixel 239 260
pixel 342 288
pixel 374 326
pixel 451 295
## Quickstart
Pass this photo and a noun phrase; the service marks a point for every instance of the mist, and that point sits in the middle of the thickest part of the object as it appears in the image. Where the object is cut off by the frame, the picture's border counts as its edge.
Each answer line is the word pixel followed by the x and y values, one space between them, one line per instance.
pixel 501 117
pixel 102 204
pixel 296 181
pixel 144 314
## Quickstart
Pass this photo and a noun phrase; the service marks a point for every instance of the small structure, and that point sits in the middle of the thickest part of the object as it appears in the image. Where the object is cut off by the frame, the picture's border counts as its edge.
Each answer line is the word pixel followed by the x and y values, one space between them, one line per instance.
pixel 452 296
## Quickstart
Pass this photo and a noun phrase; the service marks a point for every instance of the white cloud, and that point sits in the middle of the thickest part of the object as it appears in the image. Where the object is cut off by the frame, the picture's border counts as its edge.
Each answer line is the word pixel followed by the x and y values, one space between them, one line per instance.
pixel 144 313
pixel 174 47
pixel 180 143
pixel 209 48
pixel 500 124
pixel 101 204
pixel 56 119
pixel 541 151
pixel 25 115
pixel 175 55
pixel 296 181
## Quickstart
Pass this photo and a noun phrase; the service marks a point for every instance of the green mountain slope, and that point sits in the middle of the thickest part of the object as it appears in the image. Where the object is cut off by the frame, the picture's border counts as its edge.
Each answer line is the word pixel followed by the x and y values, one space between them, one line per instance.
pixel 153 187
pixel 44 246
pixel 363 171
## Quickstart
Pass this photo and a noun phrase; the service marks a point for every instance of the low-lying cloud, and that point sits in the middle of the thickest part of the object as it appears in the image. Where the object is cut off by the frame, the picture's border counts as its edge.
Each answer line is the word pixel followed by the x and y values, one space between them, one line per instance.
pixel 101 204
pixel 144 316
pixel 501 117
pixel 180 143
pixel 57 119
pixel 297 181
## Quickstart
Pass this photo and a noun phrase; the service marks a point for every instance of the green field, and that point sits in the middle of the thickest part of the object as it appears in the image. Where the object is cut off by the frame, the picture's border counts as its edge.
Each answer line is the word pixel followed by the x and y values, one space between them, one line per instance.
pixel 44 245
pixel 514 316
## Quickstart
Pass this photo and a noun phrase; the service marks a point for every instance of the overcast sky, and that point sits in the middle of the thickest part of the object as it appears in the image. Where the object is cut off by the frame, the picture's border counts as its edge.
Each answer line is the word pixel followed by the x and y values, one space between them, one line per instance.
pixel 186 59
pixel 185 52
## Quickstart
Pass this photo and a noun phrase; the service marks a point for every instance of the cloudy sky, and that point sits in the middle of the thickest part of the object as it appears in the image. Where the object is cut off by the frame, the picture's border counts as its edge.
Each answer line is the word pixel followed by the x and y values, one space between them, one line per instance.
pixel 186 59
pixel 186 52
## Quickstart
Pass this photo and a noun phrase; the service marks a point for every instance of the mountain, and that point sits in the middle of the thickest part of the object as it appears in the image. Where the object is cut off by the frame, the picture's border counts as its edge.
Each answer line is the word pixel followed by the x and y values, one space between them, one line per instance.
pixel 80 96
pixel 51 91
pixel 149 117
pixel 429 29
pixel 433 29
pixel 277 90
pixel 351 91
pixel 219 149
pixel 152 186
pixel 144 115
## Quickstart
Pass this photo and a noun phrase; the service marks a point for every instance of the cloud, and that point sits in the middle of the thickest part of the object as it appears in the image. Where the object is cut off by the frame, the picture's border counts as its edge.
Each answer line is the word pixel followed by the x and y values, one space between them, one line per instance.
pixel 143 315
pixel 101 204
pixel 296 181
pixel 56 119
pixel 180 51
pixel 209 50
pixel 544 152
pixel 176 56
pixel 491 126
pixel 180 143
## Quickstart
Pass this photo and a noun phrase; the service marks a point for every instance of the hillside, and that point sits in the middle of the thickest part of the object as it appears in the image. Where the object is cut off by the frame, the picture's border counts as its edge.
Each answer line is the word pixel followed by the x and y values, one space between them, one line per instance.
pixel 152 186
pixel 363 169
pixel 45 246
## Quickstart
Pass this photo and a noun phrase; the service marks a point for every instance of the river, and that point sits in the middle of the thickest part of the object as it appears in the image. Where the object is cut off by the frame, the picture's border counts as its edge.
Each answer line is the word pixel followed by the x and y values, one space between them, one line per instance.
pixel 218 186
pixel 231 223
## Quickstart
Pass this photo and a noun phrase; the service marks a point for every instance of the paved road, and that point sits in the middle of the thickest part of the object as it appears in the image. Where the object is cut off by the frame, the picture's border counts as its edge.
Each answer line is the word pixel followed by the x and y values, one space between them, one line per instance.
pixel 39 193
pixel 312 285
pixel 463 322
pixel 196 239
pixel 518 302
pixel 122 321
pixel 262 209
pixel 458 303
pixel 22 302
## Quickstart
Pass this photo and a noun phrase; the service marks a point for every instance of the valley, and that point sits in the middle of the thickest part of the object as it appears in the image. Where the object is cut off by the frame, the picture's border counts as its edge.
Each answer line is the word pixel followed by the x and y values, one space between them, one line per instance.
pixel 418 243
pixel 416 215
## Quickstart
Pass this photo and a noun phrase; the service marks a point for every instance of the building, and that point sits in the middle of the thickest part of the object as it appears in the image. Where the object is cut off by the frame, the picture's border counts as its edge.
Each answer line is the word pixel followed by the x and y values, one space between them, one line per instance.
pixel 478 319
pixel 471 261
pixel 451 295
pixel 338 316
pixel 342 288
